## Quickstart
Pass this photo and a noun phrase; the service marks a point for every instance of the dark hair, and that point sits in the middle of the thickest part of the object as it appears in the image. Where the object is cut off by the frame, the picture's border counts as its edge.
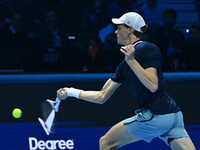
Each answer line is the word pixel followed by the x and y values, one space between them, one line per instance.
pixel 137 33
pixel 170 11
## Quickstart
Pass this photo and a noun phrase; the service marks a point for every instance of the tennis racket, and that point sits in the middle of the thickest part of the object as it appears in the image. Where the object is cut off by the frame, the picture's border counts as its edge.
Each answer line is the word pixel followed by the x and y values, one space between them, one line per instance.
pixel 49 109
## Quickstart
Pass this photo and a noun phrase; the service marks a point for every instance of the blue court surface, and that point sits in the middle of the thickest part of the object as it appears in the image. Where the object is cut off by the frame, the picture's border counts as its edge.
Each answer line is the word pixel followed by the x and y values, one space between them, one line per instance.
pixel 71 135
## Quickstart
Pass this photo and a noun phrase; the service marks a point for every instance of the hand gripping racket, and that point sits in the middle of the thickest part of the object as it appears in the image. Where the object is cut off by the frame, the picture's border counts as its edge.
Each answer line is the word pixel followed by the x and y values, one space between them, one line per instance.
pixel 49 109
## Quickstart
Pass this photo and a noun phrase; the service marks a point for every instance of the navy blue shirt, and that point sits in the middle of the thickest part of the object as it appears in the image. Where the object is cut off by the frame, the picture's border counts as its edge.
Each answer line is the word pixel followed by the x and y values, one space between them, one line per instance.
pixel 147 55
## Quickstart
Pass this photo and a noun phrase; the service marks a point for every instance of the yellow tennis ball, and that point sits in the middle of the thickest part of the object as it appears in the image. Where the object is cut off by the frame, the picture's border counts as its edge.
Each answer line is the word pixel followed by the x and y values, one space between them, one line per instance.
pixel 17 113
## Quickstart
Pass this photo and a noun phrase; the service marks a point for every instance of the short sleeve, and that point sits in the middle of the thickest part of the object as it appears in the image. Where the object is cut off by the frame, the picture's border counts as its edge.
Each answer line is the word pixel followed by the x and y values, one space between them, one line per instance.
pixel 151 57
pixel 118 76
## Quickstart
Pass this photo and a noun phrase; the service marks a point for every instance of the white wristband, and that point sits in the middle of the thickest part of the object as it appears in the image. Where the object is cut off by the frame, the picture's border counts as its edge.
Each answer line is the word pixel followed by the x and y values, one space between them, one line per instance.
pixel 72 92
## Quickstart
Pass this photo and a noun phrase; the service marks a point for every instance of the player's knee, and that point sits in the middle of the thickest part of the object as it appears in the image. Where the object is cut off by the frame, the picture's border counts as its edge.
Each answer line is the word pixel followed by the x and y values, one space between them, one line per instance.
pixel 104 144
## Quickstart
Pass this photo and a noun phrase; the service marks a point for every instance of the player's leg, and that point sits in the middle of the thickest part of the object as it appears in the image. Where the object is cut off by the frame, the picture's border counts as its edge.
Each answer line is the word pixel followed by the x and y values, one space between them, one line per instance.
pixel 141 126
pixel 117 137
pixel 184 143
pixel 177 137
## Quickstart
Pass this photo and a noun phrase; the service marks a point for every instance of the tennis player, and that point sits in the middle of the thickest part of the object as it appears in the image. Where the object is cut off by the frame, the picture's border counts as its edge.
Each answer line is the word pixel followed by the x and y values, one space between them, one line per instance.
pixel 157 115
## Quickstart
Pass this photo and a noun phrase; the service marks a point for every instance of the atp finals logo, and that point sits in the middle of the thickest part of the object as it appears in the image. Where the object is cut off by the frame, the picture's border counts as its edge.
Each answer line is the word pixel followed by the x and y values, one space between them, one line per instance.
pixel 35 144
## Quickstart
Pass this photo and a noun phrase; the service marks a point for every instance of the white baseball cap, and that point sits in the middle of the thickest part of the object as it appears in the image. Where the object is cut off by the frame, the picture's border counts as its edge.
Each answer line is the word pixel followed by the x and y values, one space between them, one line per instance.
pixel 131 19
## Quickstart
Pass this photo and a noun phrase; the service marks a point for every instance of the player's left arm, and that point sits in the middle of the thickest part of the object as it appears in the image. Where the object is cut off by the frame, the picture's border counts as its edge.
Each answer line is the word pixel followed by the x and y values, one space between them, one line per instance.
pixel 147 76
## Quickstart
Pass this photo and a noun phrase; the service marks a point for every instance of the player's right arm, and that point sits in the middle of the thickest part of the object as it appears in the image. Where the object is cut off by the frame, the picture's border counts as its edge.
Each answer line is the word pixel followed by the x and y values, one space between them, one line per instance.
pixel 98 97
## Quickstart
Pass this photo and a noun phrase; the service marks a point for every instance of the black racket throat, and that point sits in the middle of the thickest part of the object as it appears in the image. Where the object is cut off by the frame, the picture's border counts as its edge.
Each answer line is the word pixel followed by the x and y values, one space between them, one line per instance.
pixel 47 108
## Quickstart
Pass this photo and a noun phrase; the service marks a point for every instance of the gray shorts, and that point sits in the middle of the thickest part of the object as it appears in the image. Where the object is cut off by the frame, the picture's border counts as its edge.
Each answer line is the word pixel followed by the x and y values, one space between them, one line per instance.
pixel 147 126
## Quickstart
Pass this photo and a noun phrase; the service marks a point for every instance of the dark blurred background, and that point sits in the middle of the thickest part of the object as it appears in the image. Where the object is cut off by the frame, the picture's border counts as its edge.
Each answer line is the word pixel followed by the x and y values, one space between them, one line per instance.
pixel 76 36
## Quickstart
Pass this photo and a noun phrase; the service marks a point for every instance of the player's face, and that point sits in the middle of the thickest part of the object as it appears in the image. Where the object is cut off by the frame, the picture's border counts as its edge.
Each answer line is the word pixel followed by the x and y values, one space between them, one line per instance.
pixel 122 34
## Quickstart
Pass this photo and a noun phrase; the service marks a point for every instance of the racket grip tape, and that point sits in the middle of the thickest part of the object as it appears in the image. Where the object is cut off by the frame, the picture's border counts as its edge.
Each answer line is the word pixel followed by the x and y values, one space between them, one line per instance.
pixel 57 105
pixel 58 102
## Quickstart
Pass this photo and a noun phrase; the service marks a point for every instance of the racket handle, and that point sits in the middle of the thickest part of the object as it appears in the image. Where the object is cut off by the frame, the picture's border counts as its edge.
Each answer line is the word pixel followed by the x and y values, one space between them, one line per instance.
pixel 57 101
pixel 57 104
